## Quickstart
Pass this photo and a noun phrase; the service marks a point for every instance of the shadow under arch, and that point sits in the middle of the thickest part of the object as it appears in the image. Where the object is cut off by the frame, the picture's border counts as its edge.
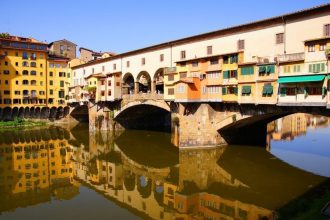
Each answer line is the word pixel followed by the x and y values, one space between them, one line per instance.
pixel 145 116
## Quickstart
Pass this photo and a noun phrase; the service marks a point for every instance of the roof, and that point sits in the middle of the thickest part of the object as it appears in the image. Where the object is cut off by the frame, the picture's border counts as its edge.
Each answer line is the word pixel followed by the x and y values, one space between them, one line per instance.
pixel 22 39
pixel 57 57
pixel 96 75
pixel 62 41
pixel 229 30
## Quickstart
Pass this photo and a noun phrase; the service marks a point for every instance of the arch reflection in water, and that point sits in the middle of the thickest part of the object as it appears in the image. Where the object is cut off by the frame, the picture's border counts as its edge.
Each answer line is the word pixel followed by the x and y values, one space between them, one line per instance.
pixel 142 172
pixel 302 141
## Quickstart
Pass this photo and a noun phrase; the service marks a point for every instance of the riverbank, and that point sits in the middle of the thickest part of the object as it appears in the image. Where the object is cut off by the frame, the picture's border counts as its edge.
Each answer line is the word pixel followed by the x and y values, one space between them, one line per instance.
pixel 21 123
pixel 309 205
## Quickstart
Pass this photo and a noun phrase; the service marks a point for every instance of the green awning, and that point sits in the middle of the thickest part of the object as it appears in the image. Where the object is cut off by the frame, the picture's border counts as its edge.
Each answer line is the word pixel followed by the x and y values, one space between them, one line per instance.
pixel 246 89
pixel 298 79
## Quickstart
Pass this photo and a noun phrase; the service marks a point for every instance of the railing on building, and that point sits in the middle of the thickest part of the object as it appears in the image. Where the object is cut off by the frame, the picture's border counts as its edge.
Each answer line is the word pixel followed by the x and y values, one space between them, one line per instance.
pixel 291 57
pixel 170 70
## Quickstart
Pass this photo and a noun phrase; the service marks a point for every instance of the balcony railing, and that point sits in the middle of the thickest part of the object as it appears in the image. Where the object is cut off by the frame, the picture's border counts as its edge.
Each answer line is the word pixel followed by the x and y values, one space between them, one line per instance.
pixel 170 70
pixel 291 57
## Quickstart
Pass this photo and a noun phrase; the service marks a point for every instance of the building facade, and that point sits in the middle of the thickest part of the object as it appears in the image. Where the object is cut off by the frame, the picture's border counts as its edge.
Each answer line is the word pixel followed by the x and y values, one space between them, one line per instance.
pixel 30 77
pixel 63 48
pixel 281 60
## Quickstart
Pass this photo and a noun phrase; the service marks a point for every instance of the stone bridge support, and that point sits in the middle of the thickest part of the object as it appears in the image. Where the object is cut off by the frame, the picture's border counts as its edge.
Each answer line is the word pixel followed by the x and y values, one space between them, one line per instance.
pixel 101 117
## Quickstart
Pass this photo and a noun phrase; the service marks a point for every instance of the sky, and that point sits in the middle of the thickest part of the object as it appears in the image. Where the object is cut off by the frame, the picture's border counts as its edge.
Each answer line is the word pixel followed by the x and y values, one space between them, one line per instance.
pixel 124 25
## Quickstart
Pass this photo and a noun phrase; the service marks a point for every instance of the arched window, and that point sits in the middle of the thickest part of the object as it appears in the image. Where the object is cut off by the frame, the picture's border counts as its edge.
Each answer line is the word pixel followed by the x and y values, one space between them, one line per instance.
pixel 25 82
pixel 25 72
pixel 33 73
pixel 33 82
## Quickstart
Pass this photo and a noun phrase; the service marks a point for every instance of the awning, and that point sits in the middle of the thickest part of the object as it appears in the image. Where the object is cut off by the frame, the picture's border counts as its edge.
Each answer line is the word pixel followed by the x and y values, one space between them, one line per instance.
pixel 246 89
pixel 298 79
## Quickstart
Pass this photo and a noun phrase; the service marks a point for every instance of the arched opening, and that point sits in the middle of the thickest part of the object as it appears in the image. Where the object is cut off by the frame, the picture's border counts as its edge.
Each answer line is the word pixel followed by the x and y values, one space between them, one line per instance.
pixel 129 181
pixel 44 113
pixel 21 112
pixel 144 186
pixel 128 84
pixel 14 113
pixel 143 82
pixel 159 81
pixel 145 117
pixel 37 112
pixel 59 113
pixel 26 112
pixel 6 114
pixel 52 114
pixel 32 112
pixel 159 192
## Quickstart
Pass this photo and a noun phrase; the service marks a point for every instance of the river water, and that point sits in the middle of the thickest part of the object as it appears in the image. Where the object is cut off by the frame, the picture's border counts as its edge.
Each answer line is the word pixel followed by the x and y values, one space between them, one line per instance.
pixel 58 173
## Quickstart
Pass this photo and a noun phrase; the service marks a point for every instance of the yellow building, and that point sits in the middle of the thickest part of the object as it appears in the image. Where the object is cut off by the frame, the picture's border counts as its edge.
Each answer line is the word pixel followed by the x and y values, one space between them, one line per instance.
pixel 29 77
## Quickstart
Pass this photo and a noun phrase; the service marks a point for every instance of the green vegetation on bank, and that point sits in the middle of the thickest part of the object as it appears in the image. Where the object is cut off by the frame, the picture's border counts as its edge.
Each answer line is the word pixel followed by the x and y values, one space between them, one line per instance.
pixel 21 123
pixel 309 205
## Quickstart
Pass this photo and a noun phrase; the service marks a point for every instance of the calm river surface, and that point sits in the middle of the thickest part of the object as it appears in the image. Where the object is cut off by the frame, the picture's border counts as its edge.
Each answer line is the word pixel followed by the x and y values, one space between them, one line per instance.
pixel 57 173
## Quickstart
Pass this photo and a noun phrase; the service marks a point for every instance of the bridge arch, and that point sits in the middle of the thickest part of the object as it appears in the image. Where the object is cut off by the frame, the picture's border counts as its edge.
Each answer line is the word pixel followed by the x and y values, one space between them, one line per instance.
pixel 80 113
pixel 250 127
pixel 128 84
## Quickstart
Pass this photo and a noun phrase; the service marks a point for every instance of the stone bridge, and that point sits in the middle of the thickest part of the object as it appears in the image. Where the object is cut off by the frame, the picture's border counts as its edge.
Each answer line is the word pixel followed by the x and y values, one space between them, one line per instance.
pixel 192 124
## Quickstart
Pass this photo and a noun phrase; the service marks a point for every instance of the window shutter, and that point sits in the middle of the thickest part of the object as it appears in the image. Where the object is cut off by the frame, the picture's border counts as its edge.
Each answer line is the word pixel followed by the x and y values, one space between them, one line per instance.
pixel 226 74
pixel 283 91
pixel 322 67
pixel 224 91
pixel 310 68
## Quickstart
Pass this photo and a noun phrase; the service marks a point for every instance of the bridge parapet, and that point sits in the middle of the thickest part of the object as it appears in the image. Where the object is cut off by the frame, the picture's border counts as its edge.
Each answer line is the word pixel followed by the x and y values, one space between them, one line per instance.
pixel 140 97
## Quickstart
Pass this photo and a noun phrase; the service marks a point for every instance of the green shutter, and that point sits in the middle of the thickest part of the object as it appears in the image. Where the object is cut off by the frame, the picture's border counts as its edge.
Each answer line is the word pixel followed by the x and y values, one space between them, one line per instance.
pixel 271 69
pixel 283 91
pixel 262 69
pixel 236 90
pixel 310 68
pixel 318 67
pixel 322 67
pixel 246 89
pixel 324 91
pixel 267 90
pixel 226 74
pixel 247 70
pixel 224 91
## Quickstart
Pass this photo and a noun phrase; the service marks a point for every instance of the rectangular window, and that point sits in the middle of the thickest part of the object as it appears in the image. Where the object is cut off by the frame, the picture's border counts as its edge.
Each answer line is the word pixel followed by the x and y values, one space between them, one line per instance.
pixel 102 68
pixel 109 92
pixel 117 83
pixel 183 75
pixel 143 61
pixel 180 89
pixel 183 54
pixel 323 47
pixel 240 45
pixel 102 93
pixel 194 64
pixel 214 61
pixel 170 91
pixel 311 48
pixel 248 70
pixel 280 38
pixel 114 66
pixel 209 50
pixel 327 30
pixel 92 70
pixel 109 83
pixel 51 82
pixel 170 77
pixel 127 63
pixel 161 57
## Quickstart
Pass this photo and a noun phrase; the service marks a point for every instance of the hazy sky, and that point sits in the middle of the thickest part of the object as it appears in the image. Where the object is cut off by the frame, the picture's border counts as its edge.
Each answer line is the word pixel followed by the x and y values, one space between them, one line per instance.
pixel 124 25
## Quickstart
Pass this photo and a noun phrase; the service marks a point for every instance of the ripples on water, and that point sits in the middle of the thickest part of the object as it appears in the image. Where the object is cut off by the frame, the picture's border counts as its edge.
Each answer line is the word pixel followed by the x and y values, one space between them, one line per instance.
pixel 60 174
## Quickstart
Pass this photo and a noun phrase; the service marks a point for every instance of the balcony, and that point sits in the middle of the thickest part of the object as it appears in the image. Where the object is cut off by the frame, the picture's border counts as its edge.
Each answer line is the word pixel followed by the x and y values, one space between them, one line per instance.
pixel 327 53
pixel 170 70
pixel 291 57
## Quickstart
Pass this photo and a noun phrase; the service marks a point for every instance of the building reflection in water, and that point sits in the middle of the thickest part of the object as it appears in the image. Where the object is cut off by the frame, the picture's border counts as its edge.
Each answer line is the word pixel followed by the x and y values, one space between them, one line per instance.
pixel 147 175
